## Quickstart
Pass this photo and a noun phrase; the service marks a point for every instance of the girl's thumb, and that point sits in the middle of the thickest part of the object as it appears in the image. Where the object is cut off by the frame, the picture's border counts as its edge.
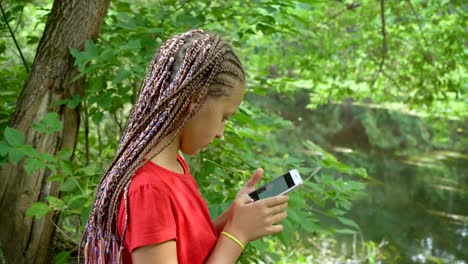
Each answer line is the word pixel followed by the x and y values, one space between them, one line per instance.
pixel 245 199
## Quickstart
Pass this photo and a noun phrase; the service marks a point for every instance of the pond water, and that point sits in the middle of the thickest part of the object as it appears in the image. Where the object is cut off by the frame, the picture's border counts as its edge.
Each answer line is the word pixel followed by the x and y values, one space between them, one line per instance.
pixel 418 202
pixel 417 195
pixel 421 212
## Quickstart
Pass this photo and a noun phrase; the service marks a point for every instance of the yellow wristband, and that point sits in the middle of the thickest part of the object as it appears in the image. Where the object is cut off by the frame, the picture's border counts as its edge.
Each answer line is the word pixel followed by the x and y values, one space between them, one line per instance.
pixel 233 238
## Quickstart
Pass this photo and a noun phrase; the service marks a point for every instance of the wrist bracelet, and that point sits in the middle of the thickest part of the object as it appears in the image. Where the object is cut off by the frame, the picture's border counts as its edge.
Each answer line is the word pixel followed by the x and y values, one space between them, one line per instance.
pixel 233 238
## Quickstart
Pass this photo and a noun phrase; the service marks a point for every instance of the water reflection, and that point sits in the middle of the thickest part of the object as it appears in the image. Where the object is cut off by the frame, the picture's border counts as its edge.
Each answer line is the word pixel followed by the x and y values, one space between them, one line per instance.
pixel 420 210
pixel 417 194
pixel 429 254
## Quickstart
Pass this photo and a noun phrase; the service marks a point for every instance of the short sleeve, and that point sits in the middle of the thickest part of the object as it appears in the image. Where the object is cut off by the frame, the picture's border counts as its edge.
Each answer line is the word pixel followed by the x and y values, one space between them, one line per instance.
pixel 151 218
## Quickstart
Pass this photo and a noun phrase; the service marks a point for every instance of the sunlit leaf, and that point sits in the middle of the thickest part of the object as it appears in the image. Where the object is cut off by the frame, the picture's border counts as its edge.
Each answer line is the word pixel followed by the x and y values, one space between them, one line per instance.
pixel 38 210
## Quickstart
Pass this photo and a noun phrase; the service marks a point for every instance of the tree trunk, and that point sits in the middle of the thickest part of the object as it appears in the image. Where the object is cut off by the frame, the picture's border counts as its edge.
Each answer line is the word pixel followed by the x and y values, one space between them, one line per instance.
pixel 69 25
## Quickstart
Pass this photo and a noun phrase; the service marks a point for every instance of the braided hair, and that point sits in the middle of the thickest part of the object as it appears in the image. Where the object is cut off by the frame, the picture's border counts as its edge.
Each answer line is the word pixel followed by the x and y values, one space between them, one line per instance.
pixel 187 69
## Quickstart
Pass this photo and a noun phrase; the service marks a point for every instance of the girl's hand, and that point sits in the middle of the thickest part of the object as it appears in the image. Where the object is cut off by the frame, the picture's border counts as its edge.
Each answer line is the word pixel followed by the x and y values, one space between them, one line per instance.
pixel 250 185
pixel 252 220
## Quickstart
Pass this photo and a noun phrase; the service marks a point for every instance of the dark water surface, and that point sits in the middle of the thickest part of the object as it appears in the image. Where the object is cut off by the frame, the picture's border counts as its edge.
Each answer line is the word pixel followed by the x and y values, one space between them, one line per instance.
pixel 417 196
pixel 418 204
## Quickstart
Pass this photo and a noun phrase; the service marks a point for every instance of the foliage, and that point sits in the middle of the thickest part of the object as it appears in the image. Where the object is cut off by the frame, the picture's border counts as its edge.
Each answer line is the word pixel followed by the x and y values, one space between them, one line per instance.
pixel 311 52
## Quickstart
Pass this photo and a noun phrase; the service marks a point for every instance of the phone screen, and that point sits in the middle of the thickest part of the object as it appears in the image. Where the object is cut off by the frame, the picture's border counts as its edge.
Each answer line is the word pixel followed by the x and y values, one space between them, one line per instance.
pixel 277 186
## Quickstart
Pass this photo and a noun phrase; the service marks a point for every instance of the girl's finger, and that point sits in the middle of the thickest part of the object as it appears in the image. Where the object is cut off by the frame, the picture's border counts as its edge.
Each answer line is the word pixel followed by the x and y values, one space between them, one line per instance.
pixel 279 208
pixel 245 199
pixel 273 201
pixel 256 177
pixel 274 229
pixel 279 217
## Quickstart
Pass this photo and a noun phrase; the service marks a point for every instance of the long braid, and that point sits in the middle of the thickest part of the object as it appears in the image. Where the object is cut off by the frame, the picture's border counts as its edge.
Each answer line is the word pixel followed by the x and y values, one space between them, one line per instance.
pixel 188 68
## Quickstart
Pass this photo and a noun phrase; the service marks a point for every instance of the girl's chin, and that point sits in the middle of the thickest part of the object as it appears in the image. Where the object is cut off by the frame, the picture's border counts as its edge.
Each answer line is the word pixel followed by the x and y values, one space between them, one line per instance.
pixel 193 152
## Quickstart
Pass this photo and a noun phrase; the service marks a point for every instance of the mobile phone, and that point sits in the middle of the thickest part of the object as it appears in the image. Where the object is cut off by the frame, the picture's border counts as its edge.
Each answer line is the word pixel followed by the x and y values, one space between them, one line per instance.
pixel 281 185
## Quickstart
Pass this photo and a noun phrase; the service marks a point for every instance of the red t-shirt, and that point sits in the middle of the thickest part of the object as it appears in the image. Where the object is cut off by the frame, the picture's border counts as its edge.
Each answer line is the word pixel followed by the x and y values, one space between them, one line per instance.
pixel 164 205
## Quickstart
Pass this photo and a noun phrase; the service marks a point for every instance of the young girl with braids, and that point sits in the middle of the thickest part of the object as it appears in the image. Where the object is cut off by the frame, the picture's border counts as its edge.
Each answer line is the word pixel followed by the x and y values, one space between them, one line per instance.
pixel 148 208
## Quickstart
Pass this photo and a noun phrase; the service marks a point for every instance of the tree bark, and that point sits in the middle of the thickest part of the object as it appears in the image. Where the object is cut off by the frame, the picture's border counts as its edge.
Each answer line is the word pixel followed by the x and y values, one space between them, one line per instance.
pixel 69 25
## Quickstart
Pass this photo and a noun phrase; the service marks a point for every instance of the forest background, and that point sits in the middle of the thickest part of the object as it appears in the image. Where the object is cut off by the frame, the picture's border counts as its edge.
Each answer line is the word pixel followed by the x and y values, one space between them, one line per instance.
pixel 345 91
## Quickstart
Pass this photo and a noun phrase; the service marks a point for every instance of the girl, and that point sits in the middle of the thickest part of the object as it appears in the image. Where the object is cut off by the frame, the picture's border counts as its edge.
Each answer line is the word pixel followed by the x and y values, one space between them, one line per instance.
pixel 148 208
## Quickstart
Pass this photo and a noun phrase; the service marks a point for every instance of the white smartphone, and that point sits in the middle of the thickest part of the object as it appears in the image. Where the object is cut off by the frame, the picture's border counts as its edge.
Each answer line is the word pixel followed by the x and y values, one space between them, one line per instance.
pixel 281 185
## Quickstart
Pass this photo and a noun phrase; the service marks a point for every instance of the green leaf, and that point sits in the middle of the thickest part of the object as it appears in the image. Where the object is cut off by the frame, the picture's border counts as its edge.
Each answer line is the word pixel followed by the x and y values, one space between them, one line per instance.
pixel 64 154
pixel 38 210
pixel 68 186
pixel 47 157
pixel 75 53
pixel 107 54
pixel 90 50
pixel 55 203
pixel 77 202
pixel 29 150
pixel 99 84
pixel 345 231
pixel 33 164
pixel 62 257
pixel 4 148
pixel 66 168
pixel 49 124
pixel 133 45
pixel 15 155
pixel 335 212
pixel 121 75
pixel 106 101
pixel 32 39
pixel 60 102
pixel 78 76
pixel 87 170
pixel 361 172
pixel 74 102
pixel 14 137
pixel 311 227
pixel 348 222
pixel 185 19
pixel 85 214
pixel 56 178
pixel 97 117
pixel 265 28
pixel 52 168
pixel 2 48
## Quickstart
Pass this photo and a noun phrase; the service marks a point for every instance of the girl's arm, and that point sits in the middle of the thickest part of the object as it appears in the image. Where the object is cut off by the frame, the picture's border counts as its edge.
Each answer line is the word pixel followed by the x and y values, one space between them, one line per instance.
pixel 220 222
pixel 249 222
pixel 165 252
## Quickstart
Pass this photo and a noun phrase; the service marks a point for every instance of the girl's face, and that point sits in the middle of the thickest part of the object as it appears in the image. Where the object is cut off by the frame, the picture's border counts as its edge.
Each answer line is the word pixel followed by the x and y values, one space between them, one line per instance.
pixel 209 122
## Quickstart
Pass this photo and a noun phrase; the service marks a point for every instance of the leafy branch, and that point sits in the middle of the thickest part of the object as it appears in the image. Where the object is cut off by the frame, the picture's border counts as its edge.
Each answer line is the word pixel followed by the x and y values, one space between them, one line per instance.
pixel 384 35
pixel 13 37
pixel 348 7
pixel 384 48
pixel 413 10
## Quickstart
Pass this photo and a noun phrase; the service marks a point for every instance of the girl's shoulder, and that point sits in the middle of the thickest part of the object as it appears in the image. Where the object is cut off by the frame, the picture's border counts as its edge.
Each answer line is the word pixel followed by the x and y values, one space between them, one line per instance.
pixel 153 176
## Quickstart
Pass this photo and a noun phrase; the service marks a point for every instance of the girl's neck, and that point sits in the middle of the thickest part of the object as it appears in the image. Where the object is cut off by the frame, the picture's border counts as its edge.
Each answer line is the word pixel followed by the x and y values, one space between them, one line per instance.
pixel 167 158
